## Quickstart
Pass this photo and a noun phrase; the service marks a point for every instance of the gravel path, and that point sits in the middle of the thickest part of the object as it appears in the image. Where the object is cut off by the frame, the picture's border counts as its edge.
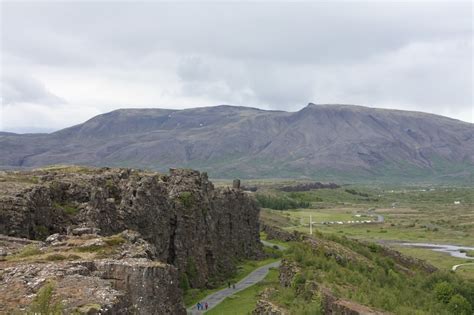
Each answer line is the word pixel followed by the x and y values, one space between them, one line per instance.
pixel 254 277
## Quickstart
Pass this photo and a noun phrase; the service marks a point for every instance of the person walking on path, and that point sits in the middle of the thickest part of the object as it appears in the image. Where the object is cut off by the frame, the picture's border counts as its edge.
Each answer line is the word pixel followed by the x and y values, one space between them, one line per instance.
pixel 199 306
pixel 206 305
pixel 233 285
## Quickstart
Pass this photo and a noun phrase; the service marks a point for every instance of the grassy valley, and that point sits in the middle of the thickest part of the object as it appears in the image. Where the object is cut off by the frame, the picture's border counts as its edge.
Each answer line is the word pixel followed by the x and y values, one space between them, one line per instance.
pixel 350 257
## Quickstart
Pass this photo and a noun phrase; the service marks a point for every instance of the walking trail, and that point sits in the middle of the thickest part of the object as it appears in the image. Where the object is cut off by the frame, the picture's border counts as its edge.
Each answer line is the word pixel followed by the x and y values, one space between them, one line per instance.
pixel 455 267
pixel 254 277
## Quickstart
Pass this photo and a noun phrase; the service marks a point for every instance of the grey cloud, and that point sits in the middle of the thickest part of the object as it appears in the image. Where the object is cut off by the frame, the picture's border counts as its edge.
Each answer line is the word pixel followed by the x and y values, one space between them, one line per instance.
pixel 25 89
pixel 409 55
pixel 289 32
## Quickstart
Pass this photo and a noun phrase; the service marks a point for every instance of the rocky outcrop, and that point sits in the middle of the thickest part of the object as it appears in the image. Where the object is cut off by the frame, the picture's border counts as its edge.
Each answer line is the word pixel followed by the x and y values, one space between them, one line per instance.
pixel 333 305
pixel 87 274
pixel 288 270
pixel 266 307
pixel 190 224
pixel 151 287
pixel 274 233
pixel 407 262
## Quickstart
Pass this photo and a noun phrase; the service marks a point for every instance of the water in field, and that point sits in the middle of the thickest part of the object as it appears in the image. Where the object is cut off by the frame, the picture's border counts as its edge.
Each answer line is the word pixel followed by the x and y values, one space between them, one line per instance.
pixel 453 250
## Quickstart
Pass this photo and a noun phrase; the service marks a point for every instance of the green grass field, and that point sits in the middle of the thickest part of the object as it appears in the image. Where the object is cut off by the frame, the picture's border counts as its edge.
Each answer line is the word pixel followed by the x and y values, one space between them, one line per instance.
pixel 428 214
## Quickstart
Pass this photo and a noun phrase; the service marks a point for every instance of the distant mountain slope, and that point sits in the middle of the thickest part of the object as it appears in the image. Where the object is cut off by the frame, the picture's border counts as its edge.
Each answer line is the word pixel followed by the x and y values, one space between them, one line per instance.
pixel 319 141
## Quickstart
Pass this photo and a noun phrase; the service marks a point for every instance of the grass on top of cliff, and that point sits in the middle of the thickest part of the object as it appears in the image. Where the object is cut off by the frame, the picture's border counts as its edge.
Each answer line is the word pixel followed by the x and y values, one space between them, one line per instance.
pixel 72 249
pixel 244 268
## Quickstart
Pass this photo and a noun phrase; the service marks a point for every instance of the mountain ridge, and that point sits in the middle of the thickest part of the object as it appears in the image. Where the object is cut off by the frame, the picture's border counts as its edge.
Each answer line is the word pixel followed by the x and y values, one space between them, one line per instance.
pixel 319 141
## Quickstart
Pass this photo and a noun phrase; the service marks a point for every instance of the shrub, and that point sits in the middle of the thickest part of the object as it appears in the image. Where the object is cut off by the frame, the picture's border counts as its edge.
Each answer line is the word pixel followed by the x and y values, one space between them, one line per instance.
pixel 443 292
pixel 41 232
pixel 43 304
pixel 191 270
pixel 459 305
pixel 183 282
pixel 356 193
pixel 298 280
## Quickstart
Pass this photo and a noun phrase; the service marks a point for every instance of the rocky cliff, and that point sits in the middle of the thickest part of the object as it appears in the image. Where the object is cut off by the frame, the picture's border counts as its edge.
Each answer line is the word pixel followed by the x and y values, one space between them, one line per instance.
pixel 86 274
pixel 188 223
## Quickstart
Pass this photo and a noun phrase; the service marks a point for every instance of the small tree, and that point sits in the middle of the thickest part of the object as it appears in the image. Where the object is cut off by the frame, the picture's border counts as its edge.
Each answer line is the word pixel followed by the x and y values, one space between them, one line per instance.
pixel 459 305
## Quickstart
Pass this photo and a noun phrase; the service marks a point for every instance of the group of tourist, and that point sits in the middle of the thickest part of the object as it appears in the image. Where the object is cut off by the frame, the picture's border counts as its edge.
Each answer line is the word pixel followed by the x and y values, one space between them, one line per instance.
pixel 202 306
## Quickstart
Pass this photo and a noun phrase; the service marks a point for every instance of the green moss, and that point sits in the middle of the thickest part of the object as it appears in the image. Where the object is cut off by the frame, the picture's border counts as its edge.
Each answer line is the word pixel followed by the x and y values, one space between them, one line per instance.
pixel 186 198
pixel 109 247
pixel 88 309
pixel 114 240
pixel 27 251
pixel 55 257
pixel 67 208
pixel 89 249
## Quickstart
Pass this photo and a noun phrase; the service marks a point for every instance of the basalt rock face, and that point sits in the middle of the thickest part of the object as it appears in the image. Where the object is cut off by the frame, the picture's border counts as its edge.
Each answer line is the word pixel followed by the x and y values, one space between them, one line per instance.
pixel 86 274
pixel 190 224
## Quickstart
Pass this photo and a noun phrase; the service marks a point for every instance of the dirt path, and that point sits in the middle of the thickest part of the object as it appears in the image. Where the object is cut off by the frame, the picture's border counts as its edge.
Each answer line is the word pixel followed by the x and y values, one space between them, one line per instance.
pixel 460 265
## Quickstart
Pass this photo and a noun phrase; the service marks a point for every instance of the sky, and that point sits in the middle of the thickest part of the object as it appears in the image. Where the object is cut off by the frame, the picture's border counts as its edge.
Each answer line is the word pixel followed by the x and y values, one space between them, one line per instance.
pixel 65 62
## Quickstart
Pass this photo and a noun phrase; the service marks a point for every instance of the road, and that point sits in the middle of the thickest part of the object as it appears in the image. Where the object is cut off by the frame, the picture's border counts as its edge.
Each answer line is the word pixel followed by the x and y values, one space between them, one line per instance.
pixel 254 277
pixel 269 244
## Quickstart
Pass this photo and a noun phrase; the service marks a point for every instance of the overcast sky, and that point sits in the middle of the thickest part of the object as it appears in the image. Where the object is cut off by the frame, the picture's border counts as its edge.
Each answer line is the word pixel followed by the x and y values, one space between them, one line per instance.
pixel 64 63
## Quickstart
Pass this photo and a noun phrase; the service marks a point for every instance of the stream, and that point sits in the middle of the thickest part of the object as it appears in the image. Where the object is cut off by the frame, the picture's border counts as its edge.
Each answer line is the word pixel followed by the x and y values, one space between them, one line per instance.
pixel 452 250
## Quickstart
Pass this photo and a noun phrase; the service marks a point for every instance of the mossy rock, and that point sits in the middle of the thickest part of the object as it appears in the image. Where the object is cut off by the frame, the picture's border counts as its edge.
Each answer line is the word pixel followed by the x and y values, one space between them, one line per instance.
pixel 89 309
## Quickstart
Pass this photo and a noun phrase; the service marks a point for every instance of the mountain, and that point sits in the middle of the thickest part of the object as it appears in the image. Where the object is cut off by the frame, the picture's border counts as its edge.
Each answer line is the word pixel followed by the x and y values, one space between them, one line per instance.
pixel 319 141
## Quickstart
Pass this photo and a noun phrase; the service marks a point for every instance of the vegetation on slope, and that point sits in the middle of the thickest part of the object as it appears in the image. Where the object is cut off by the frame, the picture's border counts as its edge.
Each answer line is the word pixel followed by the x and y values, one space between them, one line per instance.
pixel 361 273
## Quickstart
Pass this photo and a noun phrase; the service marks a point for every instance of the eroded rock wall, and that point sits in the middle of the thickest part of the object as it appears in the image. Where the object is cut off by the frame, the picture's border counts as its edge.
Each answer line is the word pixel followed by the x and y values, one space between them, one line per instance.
pixel 87 274
pixel 192 225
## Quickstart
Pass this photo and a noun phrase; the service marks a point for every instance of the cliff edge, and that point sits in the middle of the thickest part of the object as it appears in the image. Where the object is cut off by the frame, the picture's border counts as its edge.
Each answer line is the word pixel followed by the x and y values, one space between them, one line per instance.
pixel 192 227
